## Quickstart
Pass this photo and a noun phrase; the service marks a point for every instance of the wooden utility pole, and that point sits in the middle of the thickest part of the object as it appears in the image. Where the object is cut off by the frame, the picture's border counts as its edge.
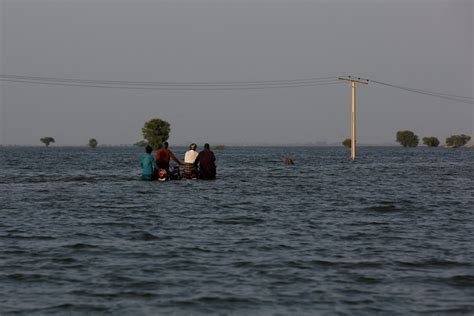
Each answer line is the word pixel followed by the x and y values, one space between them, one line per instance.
pixel 353 130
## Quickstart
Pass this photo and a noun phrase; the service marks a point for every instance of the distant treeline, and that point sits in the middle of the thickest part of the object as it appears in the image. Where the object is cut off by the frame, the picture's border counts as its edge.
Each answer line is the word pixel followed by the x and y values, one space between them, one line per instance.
pixel 407 138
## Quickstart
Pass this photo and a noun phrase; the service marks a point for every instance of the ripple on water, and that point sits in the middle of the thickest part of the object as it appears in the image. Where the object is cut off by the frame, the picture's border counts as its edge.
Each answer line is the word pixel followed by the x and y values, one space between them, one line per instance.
pixel 465 281
pixel 72 308
pixel 242 220
pixel 435 263
pixel 144 236
pixel 80 246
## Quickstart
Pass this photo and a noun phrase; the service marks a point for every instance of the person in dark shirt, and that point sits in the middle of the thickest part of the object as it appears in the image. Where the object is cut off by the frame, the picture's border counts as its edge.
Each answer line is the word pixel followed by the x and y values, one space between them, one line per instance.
pixel 163 156
pixel 207 165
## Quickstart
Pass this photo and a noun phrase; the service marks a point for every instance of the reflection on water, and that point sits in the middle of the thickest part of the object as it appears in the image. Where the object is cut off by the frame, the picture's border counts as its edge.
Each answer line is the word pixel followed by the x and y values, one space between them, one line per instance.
pixel 390 233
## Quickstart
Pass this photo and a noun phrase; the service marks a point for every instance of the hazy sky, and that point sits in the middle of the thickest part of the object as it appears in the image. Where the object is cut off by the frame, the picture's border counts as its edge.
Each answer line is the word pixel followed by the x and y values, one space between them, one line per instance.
pixel 421 44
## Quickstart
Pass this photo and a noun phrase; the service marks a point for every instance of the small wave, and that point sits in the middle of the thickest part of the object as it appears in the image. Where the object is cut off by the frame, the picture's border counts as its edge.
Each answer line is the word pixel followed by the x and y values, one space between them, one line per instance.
pixel 118 206
pixel 70 307
pixel 25 277
pixel 272 247
pixel 94 294
pixel 243 264
pixel 391 206
pixel 301 264
pixel 244 220
pixel 66 260
pixel 461 310
pixel 216 300
pixel 310 264
pixel 88 179
pixel 116 294
pixel 145 236
pixel 197 249
pixel 362 302
pixel 323 263
pixel 56 178
pixel 432 263
pixel 384 208
pixel 362 264
pixel 81 246
pixel 460 280
pixel 368 280
pixel 137 294
pixel 11 236
pixel 115 224
pixel 69 178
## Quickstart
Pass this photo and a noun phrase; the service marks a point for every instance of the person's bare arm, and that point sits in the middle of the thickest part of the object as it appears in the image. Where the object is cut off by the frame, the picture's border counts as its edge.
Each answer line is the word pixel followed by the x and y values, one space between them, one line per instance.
pixel 175 159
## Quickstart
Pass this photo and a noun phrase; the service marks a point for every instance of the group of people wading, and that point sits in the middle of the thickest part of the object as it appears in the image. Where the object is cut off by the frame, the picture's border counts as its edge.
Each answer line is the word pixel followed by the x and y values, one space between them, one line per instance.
pixel 196 165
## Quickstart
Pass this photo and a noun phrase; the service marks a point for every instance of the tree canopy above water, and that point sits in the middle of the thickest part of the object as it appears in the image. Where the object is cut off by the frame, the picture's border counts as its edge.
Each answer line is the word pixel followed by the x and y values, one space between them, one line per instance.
pixel 93 143
pixel 457 140
pixel 47 140
pixel 431 141
pixel 407 138
pixel 347 143
pixel 156 131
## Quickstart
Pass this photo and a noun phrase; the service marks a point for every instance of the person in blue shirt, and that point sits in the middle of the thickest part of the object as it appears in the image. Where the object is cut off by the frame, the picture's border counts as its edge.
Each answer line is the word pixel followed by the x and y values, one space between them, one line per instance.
pixel 148 165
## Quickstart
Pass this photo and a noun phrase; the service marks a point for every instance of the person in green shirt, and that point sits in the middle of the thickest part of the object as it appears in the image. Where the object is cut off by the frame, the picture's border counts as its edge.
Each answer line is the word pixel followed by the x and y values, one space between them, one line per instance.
pixel 148 165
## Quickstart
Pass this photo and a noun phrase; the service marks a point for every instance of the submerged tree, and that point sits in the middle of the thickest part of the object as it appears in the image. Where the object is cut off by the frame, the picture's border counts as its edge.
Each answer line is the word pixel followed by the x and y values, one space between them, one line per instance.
pixel 93 143
pixel 47 140
pixel 347 143
pixel 457 140
pixel 407 138
pixel 156 131
pixel 431 141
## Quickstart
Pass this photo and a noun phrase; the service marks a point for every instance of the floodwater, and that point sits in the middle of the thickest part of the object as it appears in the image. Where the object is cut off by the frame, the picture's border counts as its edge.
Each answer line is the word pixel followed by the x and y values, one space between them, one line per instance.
pixel 391 233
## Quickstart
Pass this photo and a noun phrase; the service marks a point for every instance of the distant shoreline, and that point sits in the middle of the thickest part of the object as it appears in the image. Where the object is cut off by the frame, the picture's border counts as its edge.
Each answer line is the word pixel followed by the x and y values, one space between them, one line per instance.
pixel 226 146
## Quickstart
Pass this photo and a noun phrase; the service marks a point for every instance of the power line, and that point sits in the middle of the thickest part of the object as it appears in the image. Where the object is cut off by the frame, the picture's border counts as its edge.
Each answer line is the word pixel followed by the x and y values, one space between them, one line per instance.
pixel 176 87
pixel 169 83
pixel 451 97
pixel 214 85
pixel 423 91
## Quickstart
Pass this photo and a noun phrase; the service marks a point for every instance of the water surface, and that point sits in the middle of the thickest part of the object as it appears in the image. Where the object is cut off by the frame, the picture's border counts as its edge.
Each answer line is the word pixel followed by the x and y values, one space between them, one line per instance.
pixel 388 234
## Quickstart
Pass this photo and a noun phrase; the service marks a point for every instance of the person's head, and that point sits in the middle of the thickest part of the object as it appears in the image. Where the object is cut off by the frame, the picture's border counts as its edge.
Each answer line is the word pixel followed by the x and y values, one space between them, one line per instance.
pixel 193 146
pixel 148 149
pixel 165 144
pixel 206 146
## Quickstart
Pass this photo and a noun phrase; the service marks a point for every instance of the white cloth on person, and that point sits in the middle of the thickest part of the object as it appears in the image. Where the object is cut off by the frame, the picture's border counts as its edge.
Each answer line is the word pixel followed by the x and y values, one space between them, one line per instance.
pixel 190 156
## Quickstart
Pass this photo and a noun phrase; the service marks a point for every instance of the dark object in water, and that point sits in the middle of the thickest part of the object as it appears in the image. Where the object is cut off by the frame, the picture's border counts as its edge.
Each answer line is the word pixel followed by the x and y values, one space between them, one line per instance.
pixel 288 161
pixel 175 173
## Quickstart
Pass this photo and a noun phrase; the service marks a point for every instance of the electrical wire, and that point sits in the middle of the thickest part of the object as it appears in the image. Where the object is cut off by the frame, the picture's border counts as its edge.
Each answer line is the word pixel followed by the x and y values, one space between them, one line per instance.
pixel 170 83
pixel 451 97
pixel 214 85
pixel 175 87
